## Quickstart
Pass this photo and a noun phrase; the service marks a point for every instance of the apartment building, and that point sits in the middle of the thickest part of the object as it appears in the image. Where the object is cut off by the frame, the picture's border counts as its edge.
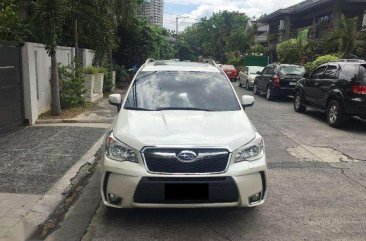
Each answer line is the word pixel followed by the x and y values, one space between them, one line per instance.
pixel 153 11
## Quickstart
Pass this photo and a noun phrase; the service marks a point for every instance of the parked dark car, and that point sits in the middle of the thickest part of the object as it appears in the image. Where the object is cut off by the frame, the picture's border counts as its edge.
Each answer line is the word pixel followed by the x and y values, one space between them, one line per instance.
pixel 336 88
pixel 278 80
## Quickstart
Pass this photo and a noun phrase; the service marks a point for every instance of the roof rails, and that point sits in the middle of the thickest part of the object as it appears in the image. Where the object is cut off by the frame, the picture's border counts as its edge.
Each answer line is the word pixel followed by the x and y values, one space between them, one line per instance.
pixel 348 60
pixel 209 61
pixel 149 60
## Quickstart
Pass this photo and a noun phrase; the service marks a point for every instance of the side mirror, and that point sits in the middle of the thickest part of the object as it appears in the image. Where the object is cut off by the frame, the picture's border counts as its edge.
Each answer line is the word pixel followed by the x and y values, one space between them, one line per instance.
pixel 258 73
pixel 247 101
pixel 116 100
pixel 306 75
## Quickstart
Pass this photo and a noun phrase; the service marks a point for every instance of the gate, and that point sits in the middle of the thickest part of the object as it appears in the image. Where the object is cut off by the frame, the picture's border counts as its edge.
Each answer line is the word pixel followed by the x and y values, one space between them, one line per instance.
pixel 11 99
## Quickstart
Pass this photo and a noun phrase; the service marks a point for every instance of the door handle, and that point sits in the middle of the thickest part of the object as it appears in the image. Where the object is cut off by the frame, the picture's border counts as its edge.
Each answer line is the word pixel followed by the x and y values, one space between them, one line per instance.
pixel 316 84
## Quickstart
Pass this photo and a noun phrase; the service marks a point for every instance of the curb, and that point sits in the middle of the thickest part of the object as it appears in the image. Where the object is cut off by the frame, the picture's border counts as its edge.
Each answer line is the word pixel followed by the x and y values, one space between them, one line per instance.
pixel 40 212
pixel 57 121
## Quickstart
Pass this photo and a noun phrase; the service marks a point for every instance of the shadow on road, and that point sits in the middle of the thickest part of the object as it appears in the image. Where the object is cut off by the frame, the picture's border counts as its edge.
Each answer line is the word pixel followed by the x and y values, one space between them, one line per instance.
pixel 181 216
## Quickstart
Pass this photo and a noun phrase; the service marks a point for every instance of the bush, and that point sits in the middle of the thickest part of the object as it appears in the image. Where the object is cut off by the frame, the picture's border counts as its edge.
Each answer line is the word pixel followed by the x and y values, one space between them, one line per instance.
pixel 288 52
pixel 90 70
pixel 71 86
pixel 107 82
pixel 121 76
pixel 319 61
pixel 236 61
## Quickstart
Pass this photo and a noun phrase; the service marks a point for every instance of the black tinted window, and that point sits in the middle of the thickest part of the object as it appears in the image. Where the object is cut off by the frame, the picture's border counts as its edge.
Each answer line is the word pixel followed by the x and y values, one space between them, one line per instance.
pixel 362 75
pixel 331 72
pixel 292 70
pixel 350 72
pixel 318 72
pixel 182 90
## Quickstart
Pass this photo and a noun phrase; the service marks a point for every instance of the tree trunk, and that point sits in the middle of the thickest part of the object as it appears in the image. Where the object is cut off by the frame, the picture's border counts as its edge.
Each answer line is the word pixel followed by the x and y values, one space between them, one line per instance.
pixel 55 92
pixel 76 39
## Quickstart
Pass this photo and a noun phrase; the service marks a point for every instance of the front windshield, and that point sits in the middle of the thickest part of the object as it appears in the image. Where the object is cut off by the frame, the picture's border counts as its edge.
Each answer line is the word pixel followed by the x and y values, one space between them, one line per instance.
pixel 166 90
pixel 255 69
pixel 292 70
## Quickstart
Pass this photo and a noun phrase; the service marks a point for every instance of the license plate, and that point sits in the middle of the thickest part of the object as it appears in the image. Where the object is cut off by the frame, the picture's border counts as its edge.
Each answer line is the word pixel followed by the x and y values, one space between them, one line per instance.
pixel 186 191
pixel 292 83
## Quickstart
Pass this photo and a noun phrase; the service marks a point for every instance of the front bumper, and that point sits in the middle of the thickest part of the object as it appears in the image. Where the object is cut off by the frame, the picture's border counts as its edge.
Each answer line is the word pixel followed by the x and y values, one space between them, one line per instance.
pixel 137 188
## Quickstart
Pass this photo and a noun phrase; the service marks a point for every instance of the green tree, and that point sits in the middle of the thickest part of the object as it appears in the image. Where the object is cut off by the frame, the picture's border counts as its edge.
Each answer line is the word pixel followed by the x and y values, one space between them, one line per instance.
pixel 347 36
pixel 11 26
pixel 50 17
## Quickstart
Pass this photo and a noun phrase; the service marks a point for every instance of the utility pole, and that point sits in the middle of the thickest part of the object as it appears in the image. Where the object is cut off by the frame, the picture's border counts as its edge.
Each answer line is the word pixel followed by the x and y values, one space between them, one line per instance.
pixel 176 25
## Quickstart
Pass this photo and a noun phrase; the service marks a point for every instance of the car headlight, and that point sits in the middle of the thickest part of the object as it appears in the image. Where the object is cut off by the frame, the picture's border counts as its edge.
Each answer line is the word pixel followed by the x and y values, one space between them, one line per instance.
pixel 251 151
pixel 119 151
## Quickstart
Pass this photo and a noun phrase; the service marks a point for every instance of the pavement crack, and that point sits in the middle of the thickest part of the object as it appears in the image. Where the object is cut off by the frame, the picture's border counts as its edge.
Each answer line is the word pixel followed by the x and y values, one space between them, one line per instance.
pixel 218 233
pixel 341 171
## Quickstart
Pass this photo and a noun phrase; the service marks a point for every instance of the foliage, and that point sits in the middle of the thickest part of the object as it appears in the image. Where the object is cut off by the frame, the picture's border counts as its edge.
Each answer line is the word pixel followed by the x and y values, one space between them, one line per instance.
pixel 310 66
pixel 121 75
pixel 11 26
pixel 71 86
pixel 237 61
pixel 216 36
pixel 90 70
pixel 257 49
pixel 287 51
pixel 107 81
pixel 347 37
pixel 50 19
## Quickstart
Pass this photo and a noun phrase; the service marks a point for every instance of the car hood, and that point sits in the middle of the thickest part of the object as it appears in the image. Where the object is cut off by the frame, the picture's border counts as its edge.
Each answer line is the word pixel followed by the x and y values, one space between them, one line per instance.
pixel 139 129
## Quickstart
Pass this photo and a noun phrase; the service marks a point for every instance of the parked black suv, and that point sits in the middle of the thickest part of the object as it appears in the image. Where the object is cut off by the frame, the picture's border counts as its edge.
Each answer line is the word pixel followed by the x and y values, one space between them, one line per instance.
pixel 278 80
pixel 336 88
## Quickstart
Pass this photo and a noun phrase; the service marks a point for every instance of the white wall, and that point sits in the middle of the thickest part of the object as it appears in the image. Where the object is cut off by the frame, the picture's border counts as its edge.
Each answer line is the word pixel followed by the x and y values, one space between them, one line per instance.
pixel 88 56
pixel 36 66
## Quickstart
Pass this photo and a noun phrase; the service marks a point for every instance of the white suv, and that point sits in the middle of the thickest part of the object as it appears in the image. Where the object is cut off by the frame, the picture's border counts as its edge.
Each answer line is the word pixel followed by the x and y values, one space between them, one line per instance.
pixel 182 140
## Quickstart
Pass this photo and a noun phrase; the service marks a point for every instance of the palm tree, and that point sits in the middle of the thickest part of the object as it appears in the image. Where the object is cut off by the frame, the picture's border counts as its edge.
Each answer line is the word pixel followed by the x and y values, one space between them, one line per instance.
pixel 347 36
pixel 50 16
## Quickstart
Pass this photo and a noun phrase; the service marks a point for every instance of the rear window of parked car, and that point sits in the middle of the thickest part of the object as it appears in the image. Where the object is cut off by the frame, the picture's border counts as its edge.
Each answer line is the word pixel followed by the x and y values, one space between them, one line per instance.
pixel 353 72
pixel 227 66
pixel 292 70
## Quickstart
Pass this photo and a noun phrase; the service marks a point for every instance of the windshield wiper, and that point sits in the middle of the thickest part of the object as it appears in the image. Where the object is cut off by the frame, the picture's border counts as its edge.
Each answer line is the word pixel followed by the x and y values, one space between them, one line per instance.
pixel 136 108
pixel 181 108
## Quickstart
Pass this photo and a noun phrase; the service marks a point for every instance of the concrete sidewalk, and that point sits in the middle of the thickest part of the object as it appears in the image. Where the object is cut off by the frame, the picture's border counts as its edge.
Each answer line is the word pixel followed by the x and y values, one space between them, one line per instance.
pixel 102 112
pixel 37 165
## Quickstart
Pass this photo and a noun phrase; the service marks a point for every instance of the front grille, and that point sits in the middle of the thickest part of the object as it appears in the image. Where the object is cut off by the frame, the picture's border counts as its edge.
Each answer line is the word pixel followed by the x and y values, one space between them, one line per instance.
pixel 164 160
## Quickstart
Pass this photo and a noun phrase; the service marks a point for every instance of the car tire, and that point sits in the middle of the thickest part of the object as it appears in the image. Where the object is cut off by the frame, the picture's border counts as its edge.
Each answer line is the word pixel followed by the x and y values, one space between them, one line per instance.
pixel 255 89
pixel 299 102
pixel 247 85
pixel 336 117
pixel 269 95
pixel 240 84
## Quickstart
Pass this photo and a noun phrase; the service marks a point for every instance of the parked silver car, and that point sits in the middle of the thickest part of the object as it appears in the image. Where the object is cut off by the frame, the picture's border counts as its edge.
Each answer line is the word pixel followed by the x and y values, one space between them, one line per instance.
pixel 247 76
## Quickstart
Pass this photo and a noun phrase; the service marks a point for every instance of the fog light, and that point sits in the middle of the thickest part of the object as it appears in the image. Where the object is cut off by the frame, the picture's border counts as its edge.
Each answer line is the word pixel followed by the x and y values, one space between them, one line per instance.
pixel 255 198
pixel 114 199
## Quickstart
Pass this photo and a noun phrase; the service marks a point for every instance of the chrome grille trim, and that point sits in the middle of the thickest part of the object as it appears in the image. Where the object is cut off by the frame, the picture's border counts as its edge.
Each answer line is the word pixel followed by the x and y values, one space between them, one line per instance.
pixel 173 155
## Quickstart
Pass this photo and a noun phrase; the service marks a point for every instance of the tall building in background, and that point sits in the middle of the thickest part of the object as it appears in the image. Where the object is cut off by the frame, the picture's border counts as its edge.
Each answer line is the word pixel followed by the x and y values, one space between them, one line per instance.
pixel 153 11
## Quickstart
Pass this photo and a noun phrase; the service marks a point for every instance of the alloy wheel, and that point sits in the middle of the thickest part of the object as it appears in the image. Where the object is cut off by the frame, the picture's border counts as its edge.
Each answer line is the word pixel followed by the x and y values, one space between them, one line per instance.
pixel 333 114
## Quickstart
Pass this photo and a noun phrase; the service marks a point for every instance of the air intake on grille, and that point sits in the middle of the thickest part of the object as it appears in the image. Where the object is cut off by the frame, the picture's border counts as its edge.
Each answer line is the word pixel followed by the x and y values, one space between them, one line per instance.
pixel 173 160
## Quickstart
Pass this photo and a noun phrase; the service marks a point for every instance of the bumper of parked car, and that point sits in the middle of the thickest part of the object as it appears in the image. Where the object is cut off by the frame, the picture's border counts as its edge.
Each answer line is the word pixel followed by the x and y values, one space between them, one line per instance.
pixel 356 107
pixel 130 185
pixel 282 91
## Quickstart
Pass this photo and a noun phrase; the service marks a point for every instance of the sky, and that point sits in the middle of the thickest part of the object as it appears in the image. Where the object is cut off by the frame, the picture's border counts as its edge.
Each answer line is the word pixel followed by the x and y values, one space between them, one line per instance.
pixel 196 9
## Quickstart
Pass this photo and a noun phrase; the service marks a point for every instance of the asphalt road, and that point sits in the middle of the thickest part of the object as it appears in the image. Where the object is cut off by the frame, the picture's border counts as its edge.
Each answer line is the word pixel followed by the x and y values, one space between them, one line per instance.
pixel 312 198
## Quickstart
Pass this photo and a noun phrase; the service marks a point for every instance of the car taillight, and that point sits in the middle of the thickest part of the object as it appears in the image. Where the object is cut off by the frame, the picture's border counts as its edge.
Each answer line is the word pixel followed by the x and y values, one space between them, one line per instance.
pixel 359 89
pixel 276 80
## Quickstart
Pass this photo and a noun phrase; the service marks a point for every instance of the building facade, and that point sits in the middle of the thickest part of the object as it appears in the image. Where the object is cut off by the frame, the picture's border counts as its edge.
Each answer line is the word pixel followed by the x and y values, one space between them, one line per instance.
pixel 153 11
pixel 312 19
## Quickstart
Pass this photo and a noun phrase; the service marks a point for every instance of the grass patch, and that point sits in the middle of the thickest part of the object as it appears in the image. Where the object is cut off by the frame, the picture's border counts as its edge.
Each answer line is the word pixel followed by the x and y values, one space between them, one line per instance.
pixel 68 113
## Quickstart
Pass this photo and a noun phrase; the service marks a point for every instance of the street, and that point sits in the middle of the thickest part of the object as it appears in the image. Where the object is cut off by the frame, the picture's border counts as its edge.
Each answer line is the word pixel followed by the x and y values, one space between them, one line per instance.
pixel 311 196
